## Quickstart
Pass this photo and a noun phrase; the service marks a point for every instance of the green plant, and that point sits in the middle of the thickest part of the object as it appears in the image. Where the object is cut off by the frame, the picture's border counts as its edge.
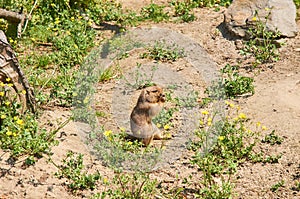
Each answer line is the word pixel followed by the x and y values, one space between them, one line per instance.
pixel 276 186
pixel 221 147
pixel 261 43
pixel 297 3
pixel 129 185
pixel 163 52
pixel 190 101
pixel 154 12
pixel 142 79
pixel 71 169
pixel 211 3
pixel 19 131
pixel 272 139
pixel 234 83
pixel 183 10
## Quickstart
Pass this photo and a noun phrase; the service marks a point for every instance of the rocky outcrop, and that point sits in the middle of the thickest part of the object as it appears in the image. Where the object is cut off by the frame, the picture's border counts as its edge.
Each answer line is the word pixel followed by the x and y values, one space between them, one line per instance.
pixel 279 15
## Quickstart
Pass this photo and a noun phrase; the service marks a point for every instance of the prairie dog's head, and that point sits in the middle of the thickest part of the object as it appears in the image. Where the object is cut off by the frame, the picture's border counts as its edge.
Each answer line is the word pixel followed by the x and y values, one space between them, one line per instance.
pixel 153 94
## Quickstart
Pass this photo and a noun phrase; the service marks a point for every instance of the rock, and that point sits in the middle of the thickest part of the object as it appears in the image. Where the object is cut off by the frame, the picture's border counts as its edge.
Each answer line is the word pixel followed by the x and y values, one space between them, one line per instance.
pixel 241 14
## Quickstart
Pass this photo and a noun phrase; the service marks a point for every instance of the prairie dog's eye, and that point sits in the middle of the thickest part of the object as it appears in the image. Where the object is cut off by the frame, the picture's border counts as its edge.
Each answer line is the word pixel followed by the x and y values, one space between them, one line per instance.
pixel 155 91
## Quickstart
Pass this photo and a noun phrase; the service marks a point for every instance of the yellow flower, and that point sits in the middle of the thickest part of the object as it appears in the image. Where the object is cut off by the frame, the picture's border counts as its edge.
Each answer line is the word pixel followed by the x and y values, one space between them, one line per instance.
pixel 267 9
pixel 254 19
pixel 8 79
pixel 129 143
pixel 2 84
pixel 242 116
pixel 122 129
pixel 15 118
pixel 14 134
pixel 231 105
pixel 205 112
pixel 264 128
pixel 158 125
pixel 168 135
pixel 86 100
pixel 1 93
pixel 72 18
pixel 208 123
pixel 9 133
pixel 10 85
pixel 221 138
pixel 23 92
pixel 108 133
pixel 167 127
pixel 20 122
pixel 7 103
pixel 258 124
pixel 3 116
pixel 209 119
pixel 236 119
pixel 201 122
pixel 105 180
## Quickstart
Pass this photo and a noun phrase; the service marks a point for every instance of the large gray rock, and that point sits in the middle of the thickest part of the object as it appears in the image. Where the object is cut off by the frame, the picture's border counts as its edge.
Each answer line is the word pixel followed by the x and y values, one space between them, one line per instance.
pixel 282 14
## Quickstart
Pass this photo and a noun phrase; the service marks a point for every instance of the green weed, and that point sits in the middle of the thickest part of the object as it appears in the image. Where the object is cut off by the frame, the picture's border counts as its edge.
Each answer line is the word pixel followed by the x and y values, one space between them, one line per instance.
pixel 142 79
pixel 154 13
pixel 20 134
pixel 163 52
pixel 183 10
pixel 272 139
pixel 72 169
pixel 261 43
pixel 276 186
pixel 220 158
pixel 129 185
pixel 234 83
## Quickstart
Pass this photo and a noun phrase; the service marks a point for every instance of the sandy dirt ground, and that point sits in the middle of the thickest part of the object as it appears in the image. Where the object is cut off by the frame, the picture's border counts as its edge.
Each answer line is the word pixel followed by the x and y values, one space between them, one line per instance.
pixel 276 104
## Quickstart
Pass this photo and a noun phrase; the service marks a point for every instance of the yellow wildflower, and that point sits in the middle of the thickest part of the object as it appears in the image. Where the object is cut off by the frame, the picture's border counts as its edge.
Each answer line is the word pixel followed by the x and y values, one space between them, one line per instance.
pixel 264 128
pixel 267 9
pixel 105 180
pixel 221 138
pixel 254 19
pixel 129 143
pixel 231 105
pixel 201 122
pixel 7 103
pixel 108 133
pixel 3 116
pixel 16 118
pixel 10 85
pixel 208 123
pixel 2 93
pixel 242 116
pixel 122 129
pixel 2 84
pixel 8 79
pixel 167 127
pixel 168 135
pixel 209 119
pixel 158 125
pixel 23 92
pixel 258 124
pixel 14 134
pixel 20 122
pixel 86 100
pixel 205 112
pixel 9 133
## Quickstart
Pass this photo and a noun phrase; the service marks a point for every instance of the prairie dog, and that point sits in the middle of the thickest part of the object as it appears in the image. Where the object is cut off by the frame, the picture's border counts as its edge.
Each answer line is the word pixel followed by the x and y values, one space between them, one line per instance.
pixel 149 104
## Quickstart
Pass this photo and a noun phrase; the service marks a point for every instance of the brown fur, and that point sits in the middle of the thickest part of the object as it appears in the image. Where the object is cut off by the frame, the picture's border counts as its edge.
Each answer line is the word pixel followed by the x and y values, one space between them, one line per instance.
pixel 149 104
